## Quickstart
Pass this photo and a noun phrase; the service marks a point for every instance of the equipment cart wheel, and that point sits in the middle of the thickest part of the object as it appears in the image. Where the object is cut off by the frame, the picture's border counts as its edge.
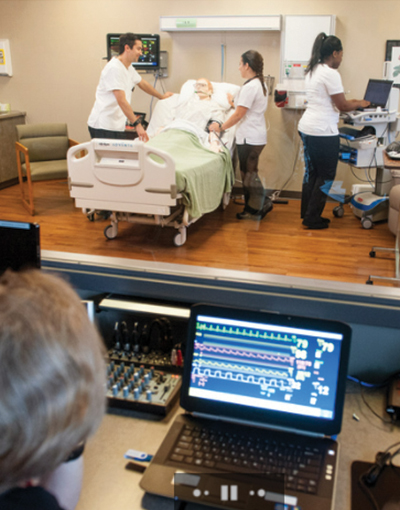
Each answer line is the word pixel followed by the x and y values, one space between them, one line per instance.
pixel 338 211
pixel 111 231
pixel 180 238
pixel 372 254
pixel 366 223
pixel 369 282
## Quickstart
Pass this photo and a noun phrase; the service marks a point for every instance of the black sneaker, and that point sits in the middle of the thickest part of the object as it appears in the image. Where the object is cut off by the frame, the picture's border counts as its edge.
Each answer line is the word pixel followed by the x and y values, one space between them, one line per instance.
pixel 266 209
pixel 244 215
pixel 315 225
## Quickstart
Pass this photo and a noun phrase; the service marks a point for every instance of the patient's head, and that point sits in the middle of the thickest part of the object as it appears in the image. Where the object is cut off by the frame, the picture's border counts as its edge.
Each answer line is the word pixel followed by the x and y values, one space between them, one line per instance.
pixel 203 88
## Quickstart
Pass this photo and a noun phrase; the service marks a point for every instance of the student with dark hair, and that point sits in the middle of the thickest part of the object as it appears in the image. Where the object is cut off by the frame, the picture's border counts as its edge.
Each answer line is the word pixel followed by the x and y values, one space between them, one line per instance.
pixel 251 135
pixel 318 127
pixel 113 95
pixel 52 380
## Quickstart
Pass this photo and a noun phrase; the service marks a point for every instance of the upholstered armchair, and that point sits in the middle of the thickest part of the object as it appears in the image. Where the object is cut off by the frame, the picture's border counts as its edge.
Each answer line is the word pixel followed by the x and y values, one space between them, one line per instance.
pixel 41 155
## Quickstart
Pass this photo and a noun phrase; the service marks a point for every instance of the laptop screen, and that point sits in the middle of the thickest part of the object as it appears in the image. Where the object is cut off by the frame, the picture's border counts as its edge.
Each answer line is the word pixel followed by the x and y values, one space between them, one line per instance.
pixel 378 92
pixel 286 370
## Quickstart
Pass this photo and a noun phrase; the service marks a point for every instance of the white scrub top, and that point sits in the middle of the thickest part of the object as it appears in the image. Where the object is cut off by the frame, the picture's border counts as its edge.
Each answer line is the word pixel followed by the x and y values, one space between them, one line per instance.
pixel 252 129
pixel 321 116
pixel 106 114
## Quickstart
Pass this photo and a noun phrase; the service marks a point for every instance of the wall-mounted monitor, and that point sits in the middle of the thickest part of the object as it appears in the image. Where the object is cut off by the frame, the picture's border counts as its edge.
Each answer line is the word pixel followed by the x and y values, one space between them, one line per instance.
pixel 150 58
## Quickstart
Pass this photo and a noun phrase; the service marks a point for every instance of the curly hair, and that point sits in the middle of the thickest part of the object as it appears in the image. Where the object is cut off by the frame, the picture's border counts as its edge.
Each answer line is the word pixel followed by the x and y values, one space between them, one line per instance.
pixel 52 375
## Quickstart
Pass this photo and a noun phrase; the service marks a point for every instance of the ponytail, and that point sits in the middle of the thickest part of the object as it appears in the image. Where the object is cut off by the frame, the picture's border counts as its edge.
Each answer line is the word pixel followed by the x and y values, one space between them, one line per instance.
pixel 256 63
pixel 323 47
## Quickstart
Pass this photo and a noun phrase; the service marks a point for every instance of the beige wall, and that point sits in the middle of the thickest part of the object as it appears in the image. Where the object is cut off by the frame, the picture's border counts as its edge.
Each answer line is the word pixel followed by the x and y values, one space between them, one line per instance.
pixel 57 49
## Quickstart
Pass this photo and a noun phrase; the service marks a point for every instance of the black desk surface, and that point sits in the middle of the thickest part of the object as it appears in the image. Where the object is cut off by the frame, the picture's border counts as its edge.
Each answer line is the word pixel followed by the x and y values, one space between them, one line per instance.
pixel 107 484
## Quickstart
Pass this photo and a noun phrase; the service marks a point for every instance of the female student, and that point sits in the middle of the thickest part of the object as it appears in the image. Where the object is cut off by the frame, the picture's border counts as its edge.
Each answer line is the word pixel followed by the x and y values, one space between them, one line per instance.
pixel 251 135
pixel 318 127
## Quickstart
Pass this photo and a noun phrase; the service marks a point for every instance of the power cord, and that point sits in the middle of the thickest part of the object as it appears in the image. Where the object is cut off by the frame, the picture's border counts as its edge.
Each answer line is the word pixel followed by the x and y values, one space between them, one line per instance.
pixel 370 477
pixel 385 383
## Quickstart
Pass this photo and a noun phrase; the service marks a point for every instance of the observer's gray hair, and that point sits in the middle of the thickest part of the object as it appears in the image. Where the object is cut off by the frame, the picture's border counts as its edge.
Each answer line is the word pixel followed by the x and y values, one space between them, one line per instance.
pixel 52 375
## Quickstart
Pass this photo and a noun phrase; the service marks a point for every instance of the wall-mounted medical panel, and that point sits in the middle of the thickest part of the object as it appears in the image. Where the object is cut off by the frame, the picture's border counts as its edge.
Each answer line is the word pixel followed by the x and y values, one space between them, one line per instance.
pixel 5 58
pixel 298 36
pixel 219 23
pixel 297 39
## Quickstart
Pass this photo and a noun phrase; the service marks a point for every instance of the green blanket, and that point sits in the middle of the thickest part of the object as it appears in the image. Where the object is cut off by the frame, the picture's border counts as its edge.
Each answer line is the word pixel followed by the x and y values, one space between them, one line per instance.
pixel 202 176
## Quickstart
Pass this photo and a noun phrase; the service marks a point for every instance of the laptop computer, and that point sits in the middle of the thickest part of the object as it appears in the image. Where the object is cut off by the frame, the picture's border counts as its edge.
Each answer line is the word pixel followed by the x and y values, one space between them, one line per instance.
pixel 377 92
pixel 260 383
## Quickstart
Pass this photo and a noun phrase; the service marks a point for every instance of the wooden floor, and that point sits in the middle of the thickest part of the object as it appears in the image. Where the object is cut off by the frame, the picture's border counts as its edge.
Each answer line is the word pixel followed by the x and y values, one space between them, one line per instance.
pixel 278 245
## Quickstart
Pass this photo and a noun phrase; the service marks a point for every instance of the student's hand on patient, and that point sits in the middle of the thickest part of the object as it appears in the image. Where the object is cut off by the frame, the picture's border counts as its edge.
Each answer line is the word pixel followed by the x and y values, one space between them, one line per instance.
pixel 143 136
pixel 214 127
pixel 167 95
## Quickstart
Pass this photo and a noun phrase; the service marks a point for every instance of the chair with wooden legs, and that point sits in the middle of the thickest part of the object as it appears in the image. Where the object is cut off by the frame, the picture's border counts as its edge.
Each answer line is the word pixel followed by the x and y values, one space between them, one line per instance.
pixel 41 152
pixel 393 223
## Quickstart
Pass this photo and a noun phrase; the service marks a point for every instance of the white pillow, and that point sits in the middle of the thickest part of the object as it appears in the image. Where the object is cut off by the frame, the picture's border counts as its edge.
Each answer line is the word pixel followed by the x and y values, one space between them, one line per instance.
pixel 220 91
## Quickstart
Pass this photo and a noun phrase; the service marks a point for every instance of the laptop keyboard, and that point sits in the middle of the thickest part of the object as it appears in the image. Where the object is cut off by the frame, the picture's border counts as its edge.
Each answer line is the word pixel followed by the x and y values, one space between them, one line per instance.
pixel 219 449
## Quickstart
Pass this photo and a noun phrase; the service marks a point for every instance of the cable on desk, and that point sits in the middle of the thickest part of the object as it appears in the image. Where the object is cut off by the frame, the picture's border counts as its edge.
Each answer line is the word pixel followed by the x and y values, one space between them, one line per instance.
pixel 367 385
pixel 368 479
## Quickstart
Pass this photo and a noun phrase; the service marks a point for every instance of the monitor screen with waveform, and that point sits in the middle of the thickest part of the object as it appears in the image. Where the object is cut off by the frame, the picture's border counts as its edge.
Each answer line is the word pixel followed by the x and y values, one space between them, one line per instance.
pixel 266 366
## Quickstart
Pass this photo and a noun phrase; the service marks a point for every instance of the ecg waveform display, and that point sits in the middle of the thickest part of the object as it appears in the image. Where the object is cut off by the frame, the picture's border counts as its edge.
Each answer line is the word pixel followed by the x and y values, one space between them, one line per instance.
pixel 266 366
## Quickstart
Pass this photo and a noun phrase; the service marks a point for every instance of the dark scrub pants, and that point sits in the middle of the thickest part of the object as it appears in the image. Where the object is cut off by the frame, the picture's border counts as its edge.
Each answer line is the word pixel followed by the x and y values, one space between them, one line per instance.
pixel 254 191
pixel 321 155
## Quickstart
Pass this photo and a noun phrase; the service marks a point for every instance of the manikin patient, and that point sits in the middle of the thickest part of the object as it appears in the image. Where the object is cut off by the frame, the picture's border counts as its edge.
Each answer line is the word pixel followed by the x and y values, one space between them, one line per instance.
pixel 199 109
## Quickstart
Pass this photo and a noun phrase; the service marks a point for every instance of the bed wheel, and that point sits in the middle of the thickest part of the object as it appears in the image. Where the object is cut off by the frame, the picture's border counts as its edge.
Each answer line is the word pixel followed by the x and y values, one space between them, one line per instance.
pixel 180 238
pixel 111 231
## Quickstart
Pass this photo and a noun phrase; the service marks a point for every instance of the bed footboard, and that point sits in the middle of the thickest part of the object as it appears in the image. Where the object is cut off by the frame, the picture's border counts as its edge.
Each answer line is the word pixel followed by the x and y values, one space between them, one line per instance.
pixel 122 175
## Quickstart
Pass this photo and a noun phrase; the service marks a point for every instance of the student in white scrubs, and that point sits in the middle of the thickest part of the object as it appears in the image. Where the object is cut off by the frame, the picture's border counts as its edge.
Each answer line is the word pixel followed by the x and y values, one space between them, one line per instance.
pixel 113 95
pixel 318 127
pixel 251 135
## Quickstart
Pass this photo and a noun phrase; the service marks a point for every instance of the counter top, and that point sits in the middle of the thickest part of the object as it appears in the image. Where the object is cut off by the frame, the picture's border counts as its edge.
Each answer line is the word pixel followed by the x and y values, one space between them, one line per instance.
pixel 11 114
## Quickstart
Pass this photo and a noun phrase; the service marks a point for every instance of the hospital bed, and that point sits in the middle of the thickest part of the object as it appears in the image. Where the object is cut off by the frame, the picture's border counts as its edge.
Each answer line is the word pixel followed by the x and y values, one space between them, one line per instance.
pixel 170 181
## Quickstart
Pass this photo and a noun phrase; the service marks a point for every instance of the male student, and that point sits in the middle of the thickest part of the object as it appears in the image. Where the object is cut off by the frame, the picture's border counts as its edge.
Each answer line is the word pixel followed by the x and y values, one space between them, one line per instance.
pixel 113 95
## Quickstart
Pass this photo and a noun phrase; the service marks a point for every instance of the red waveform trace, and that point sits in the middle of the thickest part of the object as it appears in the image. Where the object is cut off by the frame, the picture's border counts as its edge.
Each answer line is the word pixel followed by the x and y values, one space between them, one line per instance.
pixel 237 352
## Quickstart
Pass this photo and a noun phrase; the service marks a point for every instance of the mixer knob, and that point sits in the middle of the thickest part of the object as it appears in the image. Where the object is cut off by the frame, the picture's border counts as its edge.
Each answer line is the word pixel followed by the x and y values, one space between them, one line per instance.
pixel 148 395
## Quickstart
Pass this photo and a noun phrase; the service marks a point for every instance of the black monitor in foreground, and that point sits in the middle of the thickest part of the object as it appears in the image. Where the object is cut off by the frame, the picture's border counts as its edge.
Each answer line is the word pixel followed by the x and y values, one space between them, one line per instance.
pixel 150 58
pixel 19 245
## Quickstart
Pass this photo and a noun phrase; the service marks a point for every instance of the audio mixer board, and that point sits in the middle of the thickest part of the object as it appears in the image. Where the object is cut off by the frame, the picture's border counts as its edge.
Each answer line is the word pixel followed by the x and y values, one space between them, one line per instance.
pixel 130 386
pixel 145 363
